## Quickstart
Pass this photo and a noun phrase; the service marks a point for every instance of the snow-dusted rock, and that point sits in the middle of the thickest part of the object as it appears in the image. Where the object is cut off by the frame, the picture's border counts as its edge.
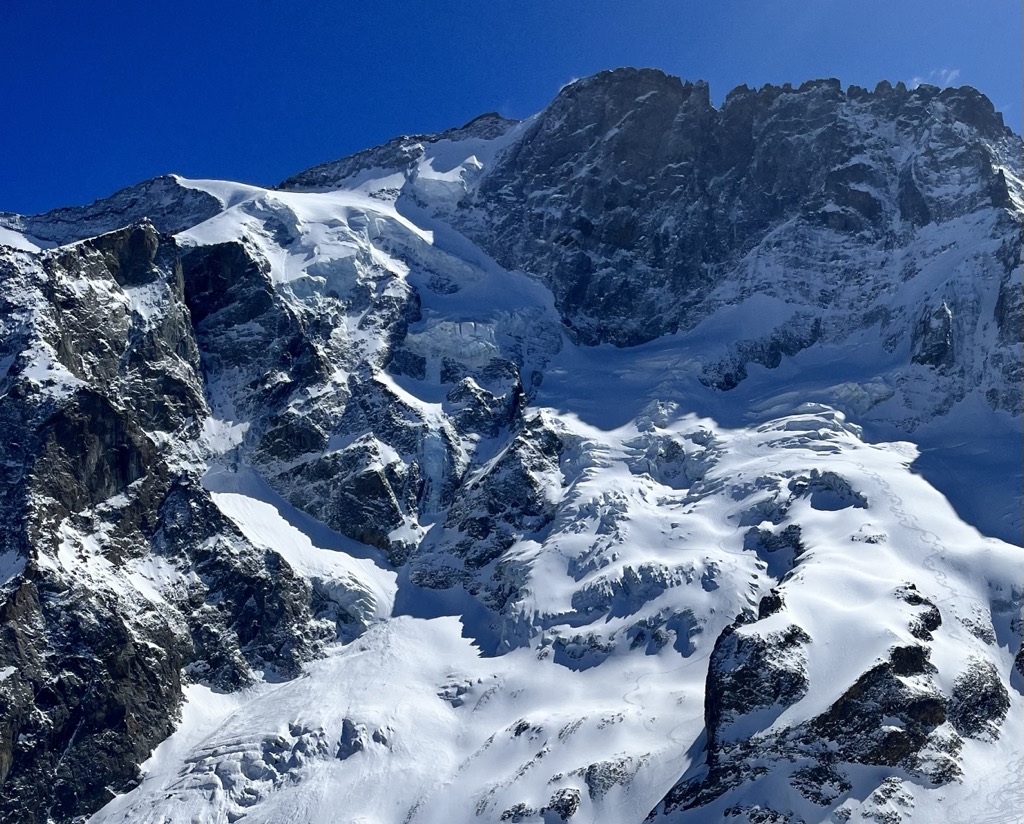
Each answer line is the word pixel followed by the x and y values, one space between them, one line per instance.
pixel 589 468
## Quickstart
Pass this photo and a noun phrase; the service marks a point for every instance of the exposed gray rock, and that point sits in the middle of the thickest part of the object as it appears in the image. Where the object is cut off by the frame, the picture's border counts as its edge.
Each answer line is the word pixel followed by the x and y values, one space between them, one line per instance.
pixel 780 551
pixel 827 491
pixel 657 194
pixel 855 721
pixel 799 333
pixel 928 620
pixel 354 738
pixel 518 812
pixel 933 341
pixel 604 775
pixel 104 369
pixel 564 803
pixel 979 702
pixel 170 206
pixel 749 672
pixel 492 512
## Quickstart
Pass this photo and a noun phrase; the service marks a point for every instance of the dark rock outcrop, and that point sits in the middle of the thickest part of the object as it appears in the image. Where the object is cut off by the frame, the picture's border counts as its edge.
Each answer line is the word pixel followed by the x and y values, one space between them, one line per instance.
pixel 104 374
pixel 169 205
pixel 979 701
pixel 631 194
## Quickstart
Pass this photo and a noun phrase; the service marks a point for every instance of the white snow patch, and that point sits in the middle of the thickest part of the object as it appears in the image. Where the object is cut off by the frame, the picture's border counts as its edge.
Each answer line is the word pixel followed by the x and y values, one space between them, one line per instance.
pixel 21 241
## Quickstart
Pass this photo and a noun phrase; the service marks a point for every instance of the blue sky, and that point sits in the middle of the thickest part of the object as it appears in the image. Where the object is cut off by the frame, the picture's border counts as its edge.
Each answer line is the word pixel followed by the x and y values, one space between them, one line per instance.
pixel 98 95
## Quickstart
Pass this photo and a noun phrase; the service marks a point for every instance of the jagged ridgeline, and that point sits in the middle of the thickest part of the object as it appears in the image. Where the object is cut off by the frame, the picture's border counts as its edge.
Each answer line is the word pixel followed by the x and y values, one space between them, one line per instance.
pixel 641 460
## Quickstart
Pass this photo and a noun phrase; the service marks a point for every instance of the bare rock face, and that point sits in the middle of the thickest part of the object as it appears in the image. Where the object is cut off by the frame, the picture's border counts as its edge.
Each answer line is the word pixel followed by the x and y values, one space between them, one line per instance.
pixel 659 194
pixel 606 154
pixel 856 720
pixel 893 716
pixel 76 724
pixel 753 673
pixel 490 515
pixel 933 338
pixel 646 210
pixel 979 701
pixel 752 679
pixel 107 371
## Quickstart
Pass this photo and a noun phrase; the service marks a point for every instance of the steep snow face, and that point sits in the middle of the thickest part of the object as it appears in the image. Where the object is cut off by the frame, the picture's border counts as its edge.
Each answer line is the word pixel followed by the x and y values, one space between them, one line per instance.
pixel 660 533
pixel 364 469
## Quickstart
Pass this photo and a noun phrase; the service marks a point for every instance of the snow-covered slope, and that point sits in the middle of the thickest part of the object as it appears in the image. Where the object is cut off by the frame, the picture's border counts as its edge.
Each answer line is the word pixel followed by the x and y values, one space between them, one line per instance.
pixel 796 526
pixel 442 489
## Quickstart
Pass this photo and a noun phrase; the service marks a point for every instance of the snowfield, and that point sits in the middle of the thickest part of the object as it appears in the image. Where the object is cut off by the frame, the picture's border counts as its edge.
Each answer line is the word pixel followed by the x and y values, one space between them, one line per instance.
pixel 411 722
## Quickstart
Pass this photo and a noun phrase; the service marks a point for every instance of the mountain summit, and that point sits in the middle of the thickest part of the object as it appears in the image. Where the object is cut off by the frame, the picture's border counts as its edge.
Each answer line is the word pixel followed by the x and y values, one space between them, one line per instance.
pixel 639 461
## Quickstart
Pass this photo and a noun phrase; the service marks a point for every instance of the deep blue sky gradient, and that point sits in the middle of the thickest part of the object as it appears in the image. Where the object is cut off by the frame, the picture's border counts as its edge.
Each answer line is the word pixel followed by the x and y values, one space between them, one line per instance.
pixel 97 95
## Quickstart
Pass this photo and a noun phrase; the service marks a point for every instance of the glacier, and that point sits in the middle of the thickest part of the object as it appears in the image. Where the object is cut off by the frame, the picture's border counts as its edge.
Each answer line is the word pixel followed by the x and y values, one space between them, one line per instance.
pixel 638 461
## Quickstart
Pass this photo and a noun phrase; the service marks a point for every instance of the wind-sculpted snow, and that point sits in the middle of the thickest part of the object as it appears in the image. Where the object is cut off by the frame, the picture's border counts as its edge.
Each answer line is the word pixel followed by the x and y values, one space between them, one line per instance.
pixel 615 612
pixel 566 470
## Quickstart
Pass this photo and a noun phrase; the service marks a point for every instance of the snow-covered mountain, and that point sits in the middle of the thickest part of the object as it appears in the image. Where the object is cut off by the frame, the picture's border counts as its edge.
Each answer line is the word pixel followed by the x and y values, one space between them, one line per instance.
pixel 638 461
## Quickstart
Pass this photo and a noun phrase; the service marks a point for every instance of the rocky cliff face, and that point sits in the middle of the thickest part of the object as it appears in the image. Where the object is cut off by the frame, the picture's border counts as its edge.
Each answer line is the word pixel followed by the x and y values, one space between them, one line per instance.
pixel 103 397
pixel 520 473
pixel 646 211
